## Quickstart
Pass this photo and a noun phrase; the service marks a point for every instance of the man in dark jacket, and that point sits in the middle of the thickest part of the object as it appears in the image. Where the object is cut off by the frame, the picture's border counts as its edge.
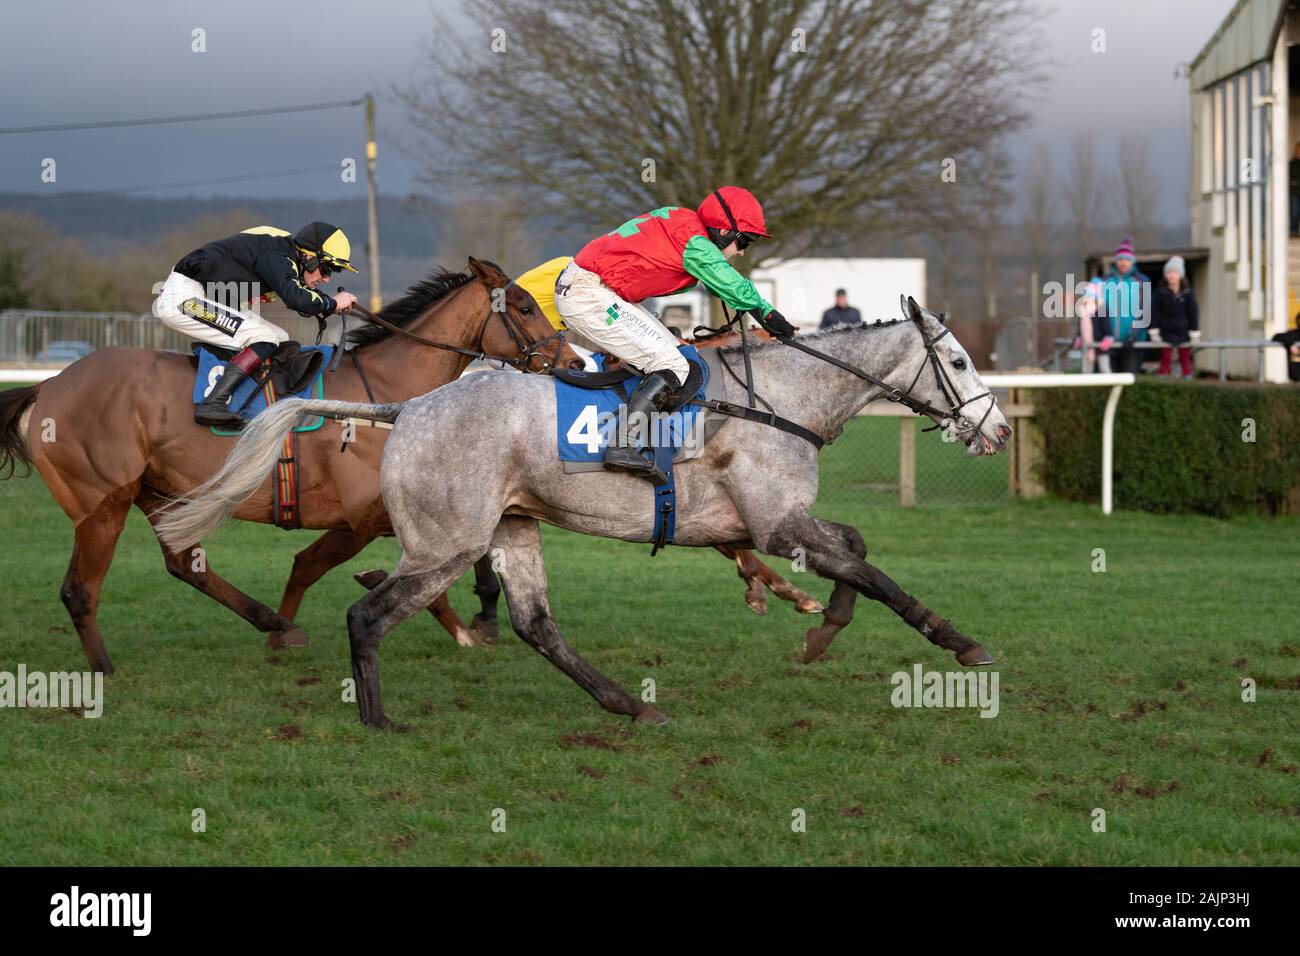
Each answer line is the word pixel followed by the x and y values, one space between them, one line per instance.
pixel 841 313
pixel 1176 316
pixel 213 294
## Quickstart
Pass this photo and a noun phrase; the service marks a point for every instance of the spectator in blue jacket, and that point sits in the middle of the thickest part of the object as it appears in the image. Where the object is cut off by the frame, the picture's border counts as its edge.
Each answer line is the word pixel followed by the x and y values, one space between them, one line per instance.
pixel 1128 307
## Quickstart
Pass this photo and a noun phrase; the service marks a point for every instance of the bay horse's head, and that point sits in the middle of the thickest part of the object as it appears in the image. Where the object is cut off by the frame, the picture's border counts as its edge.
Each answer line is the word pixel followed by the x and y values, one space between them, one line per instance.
pixel 517 325
pixel 946 380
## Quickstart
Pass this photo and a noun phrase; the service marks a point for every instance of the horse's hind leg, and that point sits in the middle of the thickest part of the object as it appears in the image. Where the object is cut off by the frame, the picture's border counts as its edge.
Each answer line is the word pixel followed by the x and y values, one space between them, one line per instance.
pixel 315 561
pixel 393 601
pixel 524 576
pixel 441 608
pixel 181 564
pixel 488 589
pixel 95 540
pixel 836 551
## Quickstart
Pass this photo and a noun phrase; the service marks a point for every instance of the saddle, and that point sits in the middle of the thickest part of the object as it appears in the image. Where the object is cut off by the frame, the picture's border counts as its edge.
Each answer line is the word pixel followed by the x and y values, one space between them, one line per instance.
pixel 587 405
pixel 290 370
pixel 614 378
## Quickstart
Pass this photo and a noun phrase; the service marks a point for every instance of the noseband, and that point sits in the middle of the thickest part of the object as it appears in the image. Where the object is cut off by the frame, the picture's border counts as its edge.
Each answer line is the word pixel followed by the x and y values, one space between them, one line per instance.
pixel 946 387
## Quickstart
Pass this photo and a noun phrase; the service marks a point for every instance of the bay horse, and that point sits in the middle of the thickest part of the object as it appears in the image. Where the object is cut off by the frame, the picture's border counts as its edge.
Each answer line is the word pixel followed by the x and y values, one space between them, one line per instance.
pixel 341 490
pixel 752 488
pixel 116 429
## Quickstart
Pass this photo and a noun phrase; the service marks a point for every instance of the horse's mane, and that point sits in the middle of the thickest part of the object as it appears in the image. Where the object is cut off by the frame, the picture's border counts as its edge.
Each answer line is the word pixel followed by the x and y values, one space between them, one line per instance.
pixel 401 312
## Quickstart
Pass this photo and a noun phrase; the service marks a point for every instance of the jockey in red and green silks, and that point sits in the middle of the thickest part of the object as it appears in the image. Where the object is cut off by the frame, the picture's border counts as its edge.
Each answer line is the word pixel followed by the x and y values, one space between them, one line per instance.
pixel 660 253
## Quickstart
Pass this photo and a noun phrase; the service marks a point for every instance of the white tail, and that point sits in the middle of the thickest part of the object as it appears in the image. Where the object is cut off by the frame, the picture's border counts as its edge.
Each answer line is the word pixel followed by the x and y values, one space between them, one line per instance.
pixel 188 520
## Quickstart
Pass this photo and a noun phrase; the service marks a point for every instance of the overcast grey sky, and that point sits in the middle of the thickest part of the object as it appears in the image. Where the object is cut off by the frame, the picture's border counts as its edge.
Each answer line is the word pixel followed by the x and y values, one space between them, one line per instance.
pixel 63 61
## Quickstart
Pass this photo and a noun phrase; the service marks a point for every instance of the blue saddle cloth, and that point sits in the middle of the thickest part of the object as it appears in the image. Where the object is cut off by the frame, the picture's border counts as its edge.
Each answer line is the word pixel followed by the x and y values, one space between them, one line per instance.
pixel 586 419
pixel 212 366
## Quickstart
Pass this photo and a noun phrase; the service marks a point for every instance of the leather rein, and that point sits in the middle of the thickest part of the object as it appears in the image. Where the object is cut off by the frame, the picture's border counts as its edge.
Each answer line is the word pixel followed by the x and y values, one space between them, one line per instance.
pixel 892 392
pixel 514 328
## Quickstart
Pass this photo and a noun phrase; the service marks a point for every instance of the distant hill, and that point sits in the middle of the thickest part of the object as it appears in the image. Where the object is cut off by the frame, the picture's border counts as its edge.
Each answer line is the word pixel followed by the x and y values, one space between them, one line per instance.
pixel 409 227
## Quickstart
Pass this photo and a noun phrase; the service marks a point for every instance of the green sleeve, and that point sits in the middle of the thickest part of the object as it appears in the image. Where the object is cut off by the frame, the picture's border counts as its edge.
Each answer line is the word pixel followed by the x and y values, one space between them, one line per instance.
pixel 705 261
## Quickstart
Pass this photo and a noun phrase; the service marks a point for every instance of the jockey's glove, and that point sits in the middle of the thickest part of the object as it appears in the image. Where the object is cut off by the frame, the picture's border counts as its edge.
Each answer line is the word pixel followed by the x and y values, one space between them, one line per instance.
pixel 774 322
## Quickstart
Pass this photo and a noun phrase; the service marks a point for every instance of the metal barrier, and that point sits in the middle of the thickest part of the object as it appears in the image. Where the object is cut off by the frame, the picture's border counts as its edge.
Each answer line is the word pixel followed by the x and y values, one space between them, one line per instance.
pixel 1022 457
pixel 1065 348
pixel 27 335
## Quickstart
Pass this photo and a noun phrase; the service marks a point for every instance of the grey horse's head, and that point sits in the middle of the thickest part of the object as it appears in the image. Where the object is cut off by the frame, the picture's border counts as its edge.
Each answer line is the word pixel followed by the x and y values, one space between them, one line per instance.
pixel 973 416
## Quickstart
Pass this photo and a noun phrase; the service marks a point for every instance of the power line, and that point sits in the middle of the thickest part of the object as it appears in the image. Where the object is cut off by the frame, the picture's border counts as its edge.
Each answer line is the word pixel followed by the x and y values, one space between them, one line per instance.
pixel 163 120
pixel 238 178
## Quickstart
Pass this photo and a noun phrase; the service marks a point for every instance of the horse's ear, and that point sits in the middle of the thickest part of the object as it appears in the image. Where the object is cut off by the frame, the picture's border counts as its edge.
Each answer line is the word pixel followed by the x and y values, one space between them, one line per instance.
pixel 489 273
pixel 912 310
pixel 902 304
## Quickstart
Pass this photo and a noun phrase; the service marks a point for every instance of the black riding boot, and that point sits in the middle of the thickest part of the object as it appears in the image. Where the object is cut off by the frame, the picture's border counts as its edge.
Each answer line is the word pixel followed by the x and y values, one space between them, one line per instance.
pixel 633 455
pixel 215 410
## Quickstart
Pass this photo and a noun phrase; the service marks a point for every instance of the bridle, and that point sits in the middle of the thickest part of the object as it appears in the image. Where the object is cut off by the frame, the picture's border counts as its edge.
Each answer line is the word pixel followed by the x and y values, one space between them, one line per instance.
pixel 528 351
pixel 902 397
pixel 946 387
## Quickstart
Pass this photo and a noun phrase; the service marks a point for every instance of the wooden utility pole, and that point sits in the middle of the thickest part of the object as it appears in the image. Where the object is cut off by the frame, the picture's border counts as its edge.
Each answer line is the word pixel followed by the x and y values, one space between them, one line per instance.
pixel 372 204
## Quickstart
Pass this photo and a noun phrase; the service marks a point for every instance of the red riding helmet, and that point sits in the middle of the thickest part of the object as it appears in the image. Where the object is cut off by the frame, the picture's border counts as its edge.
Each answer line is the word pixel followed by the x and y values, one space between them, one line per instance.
pixel 746 215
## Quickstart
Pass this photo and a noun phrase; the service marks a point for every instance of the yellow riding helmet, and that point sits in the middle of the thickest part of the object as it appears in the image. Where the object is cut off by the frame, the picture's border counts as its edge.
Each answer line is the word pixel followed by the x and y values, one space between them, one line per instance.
pixel 324 245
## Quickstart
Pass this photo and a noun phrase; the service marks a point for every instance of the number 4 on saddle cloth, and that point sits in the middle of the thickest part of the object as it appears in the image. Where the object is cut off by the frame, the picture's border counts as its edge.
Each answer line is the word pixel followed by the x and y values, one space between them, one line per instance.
pixel 301 377
pixel 587 416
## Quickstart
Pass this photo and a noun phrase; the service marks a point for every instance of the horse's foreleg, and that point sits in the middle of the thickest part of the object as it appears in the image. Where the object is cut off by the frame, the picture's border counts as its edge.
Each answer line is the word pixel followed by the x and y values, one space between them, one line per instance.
pixel 803 603
pixel 524 576
pixel 745 567
pixel 95 540
pixel 191 565
pixel 316 560
pixel 395 599
pixel 836 551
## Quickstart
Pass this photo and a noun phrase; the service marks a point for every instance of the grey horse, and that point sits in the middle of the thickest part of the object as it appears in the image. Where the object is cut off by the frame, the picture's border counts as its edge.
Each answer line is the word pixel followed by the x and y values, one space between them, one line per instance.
pixel 472 467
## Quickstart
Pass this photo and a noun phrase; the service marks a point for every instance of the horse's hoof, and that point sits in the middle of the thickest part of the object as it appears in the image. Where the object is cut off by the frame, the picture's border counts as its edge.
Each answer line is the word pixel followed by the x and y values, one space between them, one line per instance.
pixel 294 637
pixel 757 605
pixel 370 579
pixel 383 723
pixel 464 637
pixel 974 657
pixel 808 606
pixel 652 717
pixel 487 631
pixel 816 641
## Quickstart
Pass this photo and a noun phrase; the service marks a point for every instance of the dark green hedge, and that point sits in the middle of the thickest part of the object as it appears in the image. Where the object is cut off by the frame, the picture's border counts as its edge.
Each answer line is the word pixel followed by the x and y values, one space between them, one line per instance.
pixel 1178 446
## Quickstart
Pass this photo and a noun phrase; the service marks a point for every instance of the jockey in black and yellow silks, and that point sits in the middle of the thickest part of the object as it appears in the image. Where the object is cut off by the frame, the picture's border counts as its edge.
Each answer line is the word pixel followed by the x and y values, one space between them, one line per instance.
pixel 212 295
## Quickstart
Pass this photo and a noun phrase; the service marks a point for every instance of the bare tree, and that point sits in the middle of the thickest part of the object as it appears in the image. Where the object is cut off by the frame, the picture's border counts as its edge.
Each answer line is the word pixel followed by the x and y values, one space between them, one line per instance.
pixel 495 229
pixel 1040 217
pixel 1137 189
pixel 1085 195
pixel 986 228
pixel 838 114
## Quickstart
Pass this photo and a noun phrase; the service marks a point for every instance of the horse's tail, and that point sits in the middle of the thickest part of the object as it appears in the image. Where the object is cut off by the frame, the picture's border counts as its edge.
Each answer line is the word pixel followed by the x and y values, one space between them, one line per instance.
pixel 13 443
pixel 189 519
